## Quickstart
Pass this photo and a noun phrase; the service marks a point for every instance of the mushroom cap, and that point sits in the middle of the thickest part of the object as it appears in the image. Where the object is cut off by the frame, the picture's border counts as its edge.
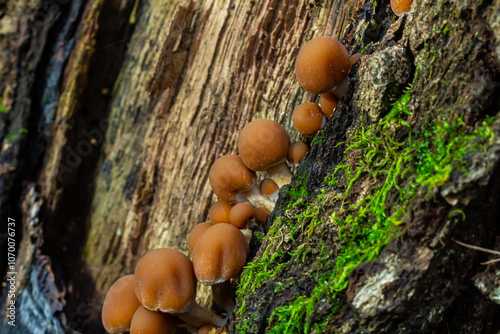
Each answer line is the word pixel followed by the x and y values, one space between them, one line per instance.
pixel 219 212
pixel 268 186
pixel 307 118
pixel 322 63
pixel 296 151
pixel 196 233
pixel 240 213
pixel 120 305
pixel 165 281
pixel 219 254
pixel 262 144
pixel 400 7
pixel 228 176
pixel 328 102
pixel 151 322
pixel 261 215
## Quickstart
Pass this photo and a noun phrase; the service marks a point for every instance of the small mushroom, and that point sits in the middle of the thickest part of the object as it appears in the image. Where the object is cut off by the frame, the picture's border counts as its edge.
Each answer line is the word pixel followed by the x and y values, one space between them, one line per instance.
pixel 269 188
pixel 308 119
pixel 219 255
pixel 328 102
pixel 120 305
pixel 165 281
pixel 196 233
pixel 400 7
pixel 240 214
pixel 322 64
pixel 151 322
pixel 219 212
pixel 295 153
pixel 233 182
pixel 261 215
pixel 263 146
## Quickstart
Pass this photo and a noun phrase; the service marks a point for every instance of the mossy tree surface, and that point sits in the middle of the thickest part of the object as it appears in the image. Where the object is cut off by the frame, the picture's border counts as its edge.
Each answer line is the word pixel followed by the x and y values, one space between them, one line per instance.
pixel 363 239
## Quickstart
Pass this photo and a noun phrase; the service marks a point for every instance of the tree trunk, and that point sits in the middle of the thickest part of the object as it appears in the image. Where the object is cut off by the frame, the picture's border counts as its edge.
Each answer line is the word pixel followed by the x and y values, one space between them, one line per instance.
pixel 115 110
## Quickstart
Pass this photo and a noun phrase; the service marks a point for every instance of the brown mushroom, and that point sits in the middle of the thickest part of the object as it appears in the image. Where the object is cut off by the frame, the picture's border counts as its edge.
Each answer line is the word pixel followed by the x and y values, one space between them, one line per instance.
pixel 219 255
pixel 151 322
pixel 120 305
pixel 261 215
pixel 295 153
pixel 165 281
pixel 328 102
pixel 219 212
pixel 240 214
pixel 233 182
pixel 196 233
pixel 308 119
pixel 322 63
pixel 268 187
pixel 263 146
pixel 400 7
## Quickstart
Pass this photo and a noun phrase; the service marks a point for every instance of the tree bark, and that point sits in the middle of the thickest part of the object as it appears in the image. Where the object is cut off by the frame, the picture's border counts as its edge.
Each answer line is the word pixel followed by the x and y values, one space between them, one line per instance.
pixel 117 109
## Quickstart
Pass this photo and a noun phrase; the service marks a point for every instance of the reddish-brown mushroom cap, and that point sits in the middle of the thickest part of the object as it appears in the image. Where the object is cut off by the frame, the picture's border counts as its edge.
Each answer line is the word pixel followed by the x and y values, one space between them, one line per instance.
pixel 151 322
pixel 262 144
pixel 165 281
pixel 261 215
pixel 195 234
pixel 308 119
pixel 268 186
pixel 322 63
pixel 400 7
pixel 296 151
pixel 240 213
pixel 120 305
pixel 328 102
pixel 354 59
pixel 228 176
pixel 219 254
pixel 219 212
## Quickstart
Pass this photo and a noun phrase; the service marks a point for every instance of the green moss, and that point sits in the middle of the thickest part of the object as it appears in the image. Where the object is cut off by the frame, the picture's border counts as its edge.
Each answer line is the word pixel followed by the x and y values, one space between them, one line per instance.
pixel 389 163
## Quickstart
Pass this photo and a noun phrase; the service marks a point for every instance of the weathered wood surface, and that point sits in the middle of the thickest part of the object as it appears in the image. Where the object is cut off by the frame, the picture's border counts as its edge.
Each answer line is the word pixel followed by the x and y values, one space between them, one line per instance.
pixel 127 103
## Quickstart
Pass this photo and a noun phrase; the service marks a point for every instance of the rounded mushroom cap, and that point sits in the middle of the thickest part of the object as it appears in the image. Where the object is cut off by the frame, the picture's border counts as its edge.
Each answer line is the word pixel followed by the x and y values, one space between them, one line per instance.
pixel 151 322
pixel 165 281
pixel 322 63
pixel 196 233
pixel 267 186
pixel 120 305
pixel 228 176
pixel 219 254
pixel 240 213
pixel 307 118
pixel 219 212
pixel 296 151
pixel 328 102
pixel 262 144
pixel 400 7
pixel 261 215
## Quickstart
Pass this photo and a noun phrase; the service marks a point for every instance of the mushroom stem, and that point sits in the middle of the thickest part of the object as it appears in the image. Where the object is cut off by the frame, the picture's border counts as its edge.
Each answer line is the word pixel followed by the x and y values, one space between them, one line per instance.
pixel 198 316
pixel 253 195
pixel 280 174
pixel 223 295
pixel 342 88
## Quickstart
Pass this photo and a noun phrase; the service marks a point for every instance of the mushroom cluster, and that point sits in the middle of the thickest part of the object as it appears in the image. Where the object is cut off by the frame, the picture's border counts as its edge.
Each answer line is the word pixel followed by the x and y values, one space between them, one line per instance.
pixel 322 67
pixel 160 296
